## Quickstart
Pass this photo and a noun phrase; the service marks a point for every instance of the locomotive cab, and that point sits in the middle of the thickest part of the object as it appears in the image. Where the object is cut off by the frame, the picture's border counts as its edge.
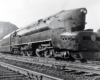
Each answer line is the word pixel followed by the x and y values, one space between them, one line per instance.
pixel 75 42
pixel 88 41
pixel 89 44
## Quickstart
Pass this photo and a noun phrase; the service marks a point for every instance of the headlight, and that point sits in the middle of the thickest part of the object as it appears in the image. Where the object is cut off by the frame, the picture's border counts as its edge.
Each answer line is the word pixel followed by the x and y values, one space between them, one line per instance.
pixel 83 10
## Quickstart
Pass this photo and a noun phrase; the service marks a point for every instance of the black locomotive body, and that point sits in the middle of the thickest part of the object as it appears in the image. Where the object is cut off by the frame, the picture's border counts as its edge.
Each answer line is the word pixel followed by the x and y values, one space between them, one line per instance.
pixel 61 35
pixel 77 41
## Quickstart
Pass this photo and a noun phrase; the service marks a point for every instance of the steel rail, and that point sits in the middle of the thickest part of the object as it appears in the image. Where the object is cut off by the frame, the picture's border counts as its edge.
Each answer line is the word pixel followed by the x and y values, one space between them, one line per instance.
pixel 30 73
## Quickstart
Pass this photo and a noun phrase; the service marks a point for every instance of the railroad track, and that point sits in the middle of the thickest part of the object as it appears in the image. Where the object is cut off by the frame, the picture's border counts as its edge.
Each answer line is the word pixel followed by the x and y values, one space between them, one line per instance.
pixel 52 62
pixel 76 71
pixel 7 74
pixel 32 75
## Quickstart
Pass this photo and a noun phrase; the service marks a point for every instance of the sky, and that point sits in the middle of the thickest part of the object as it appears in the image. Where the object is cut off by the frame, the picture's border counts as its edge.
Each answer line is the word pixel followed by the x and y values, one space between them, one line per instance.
pixel 23 12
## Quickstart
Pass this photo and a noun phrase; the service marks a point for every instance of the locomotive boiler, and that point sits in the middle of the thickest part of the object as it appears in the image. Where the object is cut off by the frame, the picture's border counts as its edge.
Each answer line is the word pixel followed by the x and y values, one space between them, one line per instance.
pixel 59 35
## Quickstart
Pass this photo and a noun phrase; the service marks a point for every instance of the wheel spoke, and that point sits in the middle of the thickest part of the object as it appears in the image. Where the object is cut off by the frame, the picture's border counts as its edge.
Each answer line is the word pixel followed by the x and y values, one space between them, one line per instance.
pixel 22 52
pixel 48 53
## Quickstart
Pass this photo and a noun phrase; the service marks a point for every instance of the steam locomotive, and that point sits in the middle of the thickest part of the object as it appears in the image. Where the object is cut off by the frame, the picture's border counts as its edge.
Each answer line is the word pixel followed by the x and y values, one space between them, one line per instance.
pixel 60 35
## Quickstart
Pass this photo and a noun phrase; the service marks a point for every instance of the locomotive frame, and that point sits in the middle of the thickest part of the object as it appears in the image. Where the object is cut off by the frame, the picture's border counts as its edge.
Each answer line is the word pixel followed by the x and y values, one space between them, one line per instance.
pixel 54 36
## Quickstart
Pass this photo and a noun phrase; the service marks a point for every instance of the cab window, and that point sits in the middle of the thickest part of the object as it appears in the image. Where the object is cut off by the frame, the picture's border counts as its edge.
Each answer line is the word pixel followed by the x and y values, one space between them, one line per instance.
pixel 86 38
